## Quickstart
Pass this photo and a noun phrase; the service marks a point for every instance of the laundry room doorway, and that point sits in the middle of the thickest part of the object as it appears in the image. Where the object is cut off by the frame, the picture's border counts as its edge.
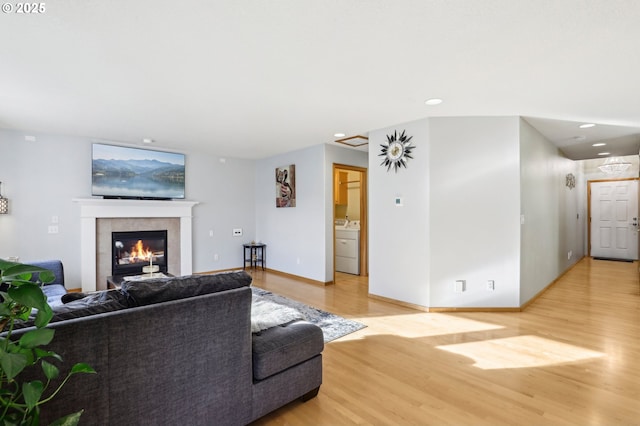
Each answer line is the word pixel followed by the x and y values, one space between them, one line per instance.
pixel 350 238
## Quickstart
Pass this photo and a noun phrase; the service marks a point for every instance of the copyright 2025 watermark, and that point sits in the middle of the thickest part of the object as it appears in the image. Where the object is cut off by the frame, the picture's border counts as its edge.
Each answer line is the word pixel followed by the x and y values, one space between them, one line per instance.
pixel 24 8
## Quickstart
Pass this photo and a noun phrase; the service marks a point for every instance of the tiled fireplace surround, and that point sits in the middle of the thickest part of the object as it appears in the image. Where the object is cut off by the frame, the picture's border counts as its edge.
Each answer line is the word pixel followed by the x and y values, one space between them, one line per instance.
pixel 99 217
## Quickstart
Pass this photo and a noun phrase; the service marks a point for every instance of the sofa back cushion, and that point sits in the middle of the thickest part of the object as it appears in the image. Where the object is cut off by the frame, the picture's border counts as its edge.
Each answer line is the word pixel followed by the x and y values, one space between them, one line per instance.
pixel 157 290
pixel 84 305
pixel 54 266
pixel 90 304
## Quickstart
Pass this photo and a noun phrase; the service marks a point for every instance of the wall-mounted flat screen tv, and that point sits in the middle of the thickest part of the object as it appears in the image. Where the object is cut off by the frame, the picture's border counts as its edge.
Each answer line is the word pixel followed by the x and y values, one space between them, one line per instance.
pixel 124 172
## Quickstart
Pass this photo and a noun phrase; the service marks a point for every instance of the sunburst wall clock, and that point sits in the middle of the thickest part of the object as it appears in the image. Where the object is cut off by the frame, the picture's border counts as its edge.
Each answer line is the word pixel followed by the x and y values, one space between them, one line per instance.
pixel 396 151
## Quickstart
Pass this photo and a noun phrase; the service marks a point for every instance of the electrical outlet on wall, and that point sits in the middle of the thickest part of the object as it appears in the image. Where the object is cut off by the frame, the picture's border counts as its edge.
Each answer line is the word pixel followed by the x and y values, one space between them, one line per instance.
pixel 237 232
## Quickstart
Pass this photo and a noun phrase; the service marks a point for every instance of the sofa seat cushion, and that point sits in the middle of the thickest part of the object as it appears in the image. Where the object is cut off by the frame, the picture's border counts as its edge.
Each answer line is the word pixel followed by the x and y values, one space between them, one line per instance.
pixel 157 290
pixel 278 348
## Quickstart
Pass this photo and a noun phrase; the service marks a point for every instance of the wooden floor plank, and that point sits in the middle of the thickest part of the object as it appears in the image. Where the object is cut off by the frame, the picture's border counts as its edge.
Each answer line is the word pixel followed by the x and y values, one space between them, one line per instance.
pixel 571 358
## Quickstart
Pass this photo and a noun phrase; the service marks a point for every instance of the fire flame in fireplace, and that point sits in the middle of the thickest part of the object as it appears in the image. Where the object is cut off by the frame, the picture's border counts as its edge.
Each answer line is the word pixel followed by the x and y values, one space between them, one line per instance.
pixel 139 253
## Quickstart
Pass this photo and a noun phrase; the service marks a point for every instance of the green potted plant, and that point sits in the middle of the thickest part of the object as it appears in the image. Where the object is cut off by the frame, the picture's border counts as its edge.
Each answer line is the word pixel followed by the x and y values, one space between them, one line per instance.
pixel 20 400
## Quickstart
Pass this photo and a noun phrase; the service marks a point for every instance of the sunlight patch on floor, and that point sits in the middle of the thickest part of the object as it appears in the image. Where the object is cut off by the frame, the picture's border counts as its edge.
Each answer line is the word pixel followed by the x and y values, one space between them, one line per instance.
pixel 520 352
pixel 422 325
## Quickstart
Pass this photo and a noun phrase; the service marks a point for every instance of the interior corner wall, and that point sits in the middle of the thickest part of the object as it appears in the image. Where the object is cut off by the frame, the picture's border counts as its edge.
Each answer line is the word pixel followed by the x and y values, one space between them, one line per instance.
pixel 40 178
pixel 225 194
pixel 399 254
pixel 552 236
pixel 295 236
pixel 474 211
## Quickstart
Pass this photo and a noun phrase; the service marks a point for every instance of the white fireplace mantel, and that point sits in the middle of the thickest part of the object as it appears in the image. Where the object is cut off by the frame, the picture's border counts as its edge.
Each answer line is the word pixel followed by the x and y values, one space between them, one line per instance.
pixel 94 208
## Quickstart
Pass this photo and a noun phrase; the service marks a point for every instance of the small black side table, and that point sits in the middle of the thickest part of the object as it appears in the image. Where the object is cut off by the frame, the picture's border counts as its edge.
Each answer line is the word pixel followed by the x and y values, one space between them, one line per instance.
pixel 257 254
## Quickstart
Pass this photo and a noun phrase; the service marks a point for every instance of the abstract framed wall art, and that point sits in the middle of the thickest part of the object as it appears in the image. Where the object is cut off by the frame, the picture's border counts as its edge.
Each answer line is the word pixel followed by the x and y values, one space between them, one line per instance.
pixel 286 186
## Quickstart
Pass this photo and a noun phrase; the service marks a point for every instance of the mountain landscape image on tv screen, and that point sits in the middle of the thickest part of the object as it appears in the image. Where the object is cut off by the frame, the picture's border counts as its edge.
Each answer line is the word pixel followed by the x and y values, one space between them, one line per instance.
pixel 123 172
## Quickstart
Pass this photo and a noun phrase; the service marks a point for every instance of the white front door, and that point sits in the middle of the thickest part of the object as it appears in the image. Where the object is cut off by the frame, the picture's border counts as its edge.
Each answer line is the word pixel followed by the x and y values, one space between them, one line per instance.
pixel 614 219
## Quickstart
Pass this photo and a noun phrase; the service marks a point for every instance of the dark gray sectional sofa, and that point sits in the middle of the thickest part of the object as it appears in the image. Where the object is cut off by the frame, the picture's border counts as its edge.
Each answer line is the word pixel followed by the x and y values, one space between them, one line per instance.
pixel 179 351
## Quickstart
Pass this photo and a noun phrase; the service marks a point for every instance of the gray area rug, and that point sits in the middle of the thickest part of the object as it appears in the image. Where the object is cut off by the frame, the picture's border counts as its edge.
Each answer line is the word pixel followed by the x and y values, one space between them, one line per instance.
pixel 333 326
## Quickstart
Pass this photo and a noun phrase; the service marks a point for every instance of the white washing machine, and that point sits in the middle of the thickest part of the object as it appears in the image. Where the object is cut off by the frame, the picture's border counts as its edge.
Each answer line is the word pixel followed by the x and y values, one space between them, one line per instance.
pixel 348 248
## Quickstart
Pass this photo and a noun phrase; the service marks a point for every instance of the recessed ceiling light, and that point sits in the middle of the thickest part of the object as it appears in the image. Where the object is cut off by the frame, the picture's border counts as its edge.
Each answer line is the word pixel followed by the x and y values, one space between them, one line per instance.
pixel 339 135
pixel 433 101
pixel 604 153
pixel 147 140
pixel 586 125
pixel 599 144
pixel 580 138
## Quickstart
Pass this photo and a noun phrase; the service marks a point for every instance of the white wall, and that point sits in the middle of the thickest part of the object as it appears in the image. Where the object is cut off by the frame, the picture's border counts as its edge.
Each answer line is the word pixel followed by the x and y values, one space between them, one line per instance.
pixel 554 218
pixel 225 192
pixel 41 178
pixel 399 255
pixel 295 236
pixel 474 210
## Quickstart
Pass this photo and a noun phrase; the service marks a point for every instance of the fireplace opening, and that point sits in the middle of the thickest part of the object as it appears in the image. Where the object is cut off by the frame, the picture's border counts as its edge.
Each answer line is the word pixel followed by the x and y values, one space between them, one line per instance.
pixel 134 250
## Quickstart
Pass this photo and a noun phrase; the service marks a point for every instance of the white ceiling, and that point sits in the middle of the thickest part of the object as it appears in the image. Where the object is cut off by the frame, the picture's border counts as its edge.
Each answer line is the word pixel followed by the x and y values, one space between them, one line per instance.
pixel 254 78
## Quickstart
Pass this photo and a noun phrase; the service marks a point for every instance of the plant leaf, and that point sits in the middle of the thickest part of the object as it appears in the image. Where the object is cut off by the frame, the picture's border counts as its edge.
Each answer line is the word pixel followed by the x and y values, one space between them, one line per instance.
pixel 46 276
pixel 5 264
pixel 29 295
pixel 41 353
pixel 34 338
pixel 44 316
pixel 4 307
pixel 19 271
pixel 68 420
pixel 81 367
pixel 32 392
pixel 12 364
pixel 50 370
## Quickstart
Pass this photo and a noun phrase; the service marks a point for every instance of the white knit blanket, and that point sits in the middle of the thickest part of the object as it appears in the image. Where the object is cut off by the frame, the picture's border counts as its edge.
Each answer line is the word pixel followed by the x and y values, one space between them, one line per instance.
pixel 266 314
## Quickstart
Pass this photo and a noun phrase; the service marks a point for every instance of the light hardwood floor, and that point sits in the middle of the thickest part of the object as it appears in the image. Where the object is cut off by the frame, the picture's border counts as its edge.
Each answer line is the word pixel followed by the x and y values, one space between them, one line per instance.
pixel 571 358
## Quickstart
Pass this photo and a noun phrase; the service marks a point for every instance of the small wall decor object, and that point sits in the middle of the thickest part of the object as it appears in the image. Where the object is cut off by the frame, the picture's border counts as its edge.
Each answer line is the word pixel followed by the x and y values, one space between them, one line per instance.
pixel 286 186
pixel 4 203
pixel 396 151
pixel 570 181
